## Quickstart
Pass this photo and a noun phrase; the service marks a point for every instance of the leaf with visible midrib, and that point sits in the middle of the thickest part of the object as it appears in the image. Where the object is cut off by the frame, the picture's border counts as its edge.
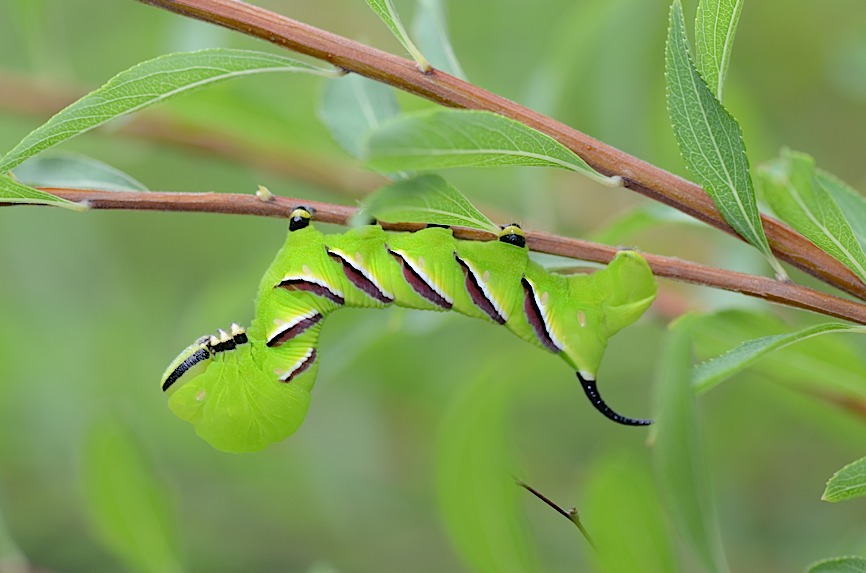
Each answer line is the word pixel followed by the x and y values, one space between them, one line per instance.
pixel 445 138
pixel 715 25
pixel 710 140
pixel 839 565
pixel 353 106
pixel 791 188
pixel 847 483
pixel 424 199
pixel 385 10
pixel 145 84
pixel 711 372
pixel 13 192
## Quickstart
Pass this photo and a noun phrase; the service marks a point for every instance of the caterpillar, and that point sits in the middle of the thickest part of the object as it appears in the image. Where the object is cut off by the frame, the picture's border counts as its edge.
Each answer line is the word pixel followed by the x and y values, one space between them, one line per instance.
pixel 245 389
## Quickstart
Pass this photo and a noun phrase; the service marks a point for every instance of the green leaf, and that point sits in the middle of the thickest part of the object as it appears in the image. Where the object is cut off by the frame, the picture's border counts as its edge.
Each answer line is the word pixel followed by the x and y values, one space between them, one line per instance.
pixel 478 497
pixel 353 106
pixel 443 138
pixel 852 203
pixel 715 26
pixel 424 199
pixel 622 229
pixel 128 507
pixel 710 140
pixel 680 463
pixel 711 372
pixel 146 84
pixel 626 518
pixel 74 171
pixel 847 483
pixel 385 10
pixel 839 565
pixel 790 186
pixel 431 30
pixel 13 192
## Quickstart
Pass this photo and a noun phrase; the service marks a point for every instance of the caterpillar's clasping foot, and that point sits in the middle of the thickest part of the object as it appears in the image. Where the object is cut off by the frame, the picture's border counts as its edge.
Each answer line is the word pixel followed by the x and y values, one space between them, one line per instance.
pixel 594 397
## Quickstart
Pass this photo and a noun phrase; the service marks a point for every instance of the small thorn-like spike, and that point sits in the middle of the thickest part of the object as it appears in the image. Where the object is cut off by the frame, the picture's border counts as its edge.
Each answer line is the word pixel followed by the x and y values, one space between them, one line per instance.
pixel 594 397
pixel 213 340
pixel 224 336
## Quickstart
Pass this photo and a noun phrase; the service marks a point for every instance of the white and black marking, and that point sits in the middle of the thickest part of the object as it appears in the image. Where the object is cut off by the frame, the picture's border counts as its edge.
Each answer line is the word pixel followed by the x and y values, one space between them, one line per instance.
pixel 200 355
pixel 360 277
pixel 293 328
pixel 595 398
pixel 536 314
pixel 420 282
pixel 300 366
pixel 479 293
pixel 313 285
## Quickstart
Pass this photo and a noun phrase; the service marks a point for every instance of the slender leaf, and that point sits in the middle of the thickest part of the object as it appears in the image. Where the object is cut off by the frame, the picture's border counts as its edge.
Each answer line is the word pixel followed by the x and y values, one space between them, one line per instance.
pixel 714 371
pixel 146 84
pixel 839 565
pixel 352 107
pixel 791 188
pixel 385 10
pixel 425 199
pixel 710 140
pixel 74 171
pixel 847 483
pixel 715 26
pixel 13 192
pixel 443 138
pixel 477 495
pixel 128 507
pixel 682 470
pixel 431 30
pixel 852 203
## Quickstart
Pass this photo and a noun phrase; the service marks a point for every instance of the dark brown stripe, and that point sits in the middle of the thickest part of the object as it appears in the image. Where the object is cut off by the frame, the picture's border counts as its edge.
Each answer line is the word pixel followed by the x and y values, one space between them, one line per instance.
pixel 310 286
pixel 476 293
pixel 302 368
pixel 294 330
pixel 357 278
pixel 536 317
pixel 418 284
pixel 198 356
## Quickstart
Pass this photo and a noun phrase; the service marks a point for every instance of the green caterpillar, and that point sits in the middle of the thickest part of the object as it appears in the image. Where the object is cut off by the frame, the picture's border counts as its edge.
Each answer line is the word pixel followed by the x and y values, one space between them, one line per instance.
pixel 246 389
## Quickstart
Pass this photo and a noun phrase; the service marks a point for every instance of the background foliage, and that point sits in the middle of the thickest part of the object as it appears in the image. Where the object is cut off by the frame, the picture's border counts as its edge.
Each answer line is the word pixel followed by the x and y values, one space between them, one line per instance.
pixel 94 306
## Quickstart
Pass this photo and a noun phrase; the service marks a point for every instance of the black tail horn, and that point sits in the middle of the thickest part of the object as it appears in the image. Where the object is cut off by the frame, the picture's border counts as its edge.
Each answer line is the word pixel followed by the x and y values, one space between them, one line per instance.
pixel 595 398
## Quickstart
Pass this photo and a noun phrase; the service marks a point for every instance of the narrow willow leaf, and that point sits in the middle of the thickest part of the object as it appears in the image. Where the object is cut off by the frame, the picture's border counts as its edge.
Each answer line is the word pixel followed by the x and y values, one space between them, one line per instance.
pixel 852 203
pixel 385 10
pixel 128 507
pixel 839 565
pixel 715 26
pixel 424 199
pixel 626 517
pixel 478 497
pixel 74 171
pixel 682 470
pixel 13 192
pixel 443 138
pixel 352 107
pixel 791 188
pixel 431 30
pixel 711 372
pixel 710 140
pixel 847 483
pixel 146 84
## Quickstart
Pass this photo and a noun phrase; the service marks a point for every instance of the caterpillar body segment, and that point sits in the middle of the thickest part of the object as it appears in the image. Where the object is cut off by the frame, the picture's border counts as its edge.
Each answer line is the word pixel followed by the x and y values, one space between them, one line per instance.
pixel 257 392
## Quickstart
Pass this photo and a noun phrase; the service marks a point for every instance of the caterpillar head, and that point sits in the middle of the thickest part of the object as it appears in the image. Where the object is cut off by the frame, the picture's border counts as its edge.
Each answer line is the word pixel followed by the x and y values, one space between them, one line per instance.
pixel 236 401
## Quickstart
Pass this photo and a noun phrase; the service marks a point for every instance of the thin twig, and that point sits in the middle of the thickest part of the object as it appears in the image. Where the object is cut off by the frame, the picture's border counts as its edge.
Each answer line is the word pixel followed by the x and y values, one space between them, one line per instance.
pixel 785 293
pixel 570 514
pixel 447 90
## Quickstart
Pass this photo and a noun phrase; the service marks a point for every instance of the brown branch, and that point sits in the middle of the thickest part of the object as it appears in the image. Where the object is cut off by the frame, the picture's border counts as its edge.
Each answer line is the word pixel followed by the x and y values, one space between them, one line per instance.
pixel 450 91
pixel 785 293
pixel 570 514
pixel 24 95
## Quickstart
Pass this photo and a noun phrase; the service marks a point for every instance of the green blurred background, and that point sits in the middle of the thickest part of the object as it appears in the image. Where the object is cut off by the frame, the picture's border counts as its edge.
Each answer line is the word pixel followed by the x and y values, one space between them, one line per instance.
pixel 95 305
